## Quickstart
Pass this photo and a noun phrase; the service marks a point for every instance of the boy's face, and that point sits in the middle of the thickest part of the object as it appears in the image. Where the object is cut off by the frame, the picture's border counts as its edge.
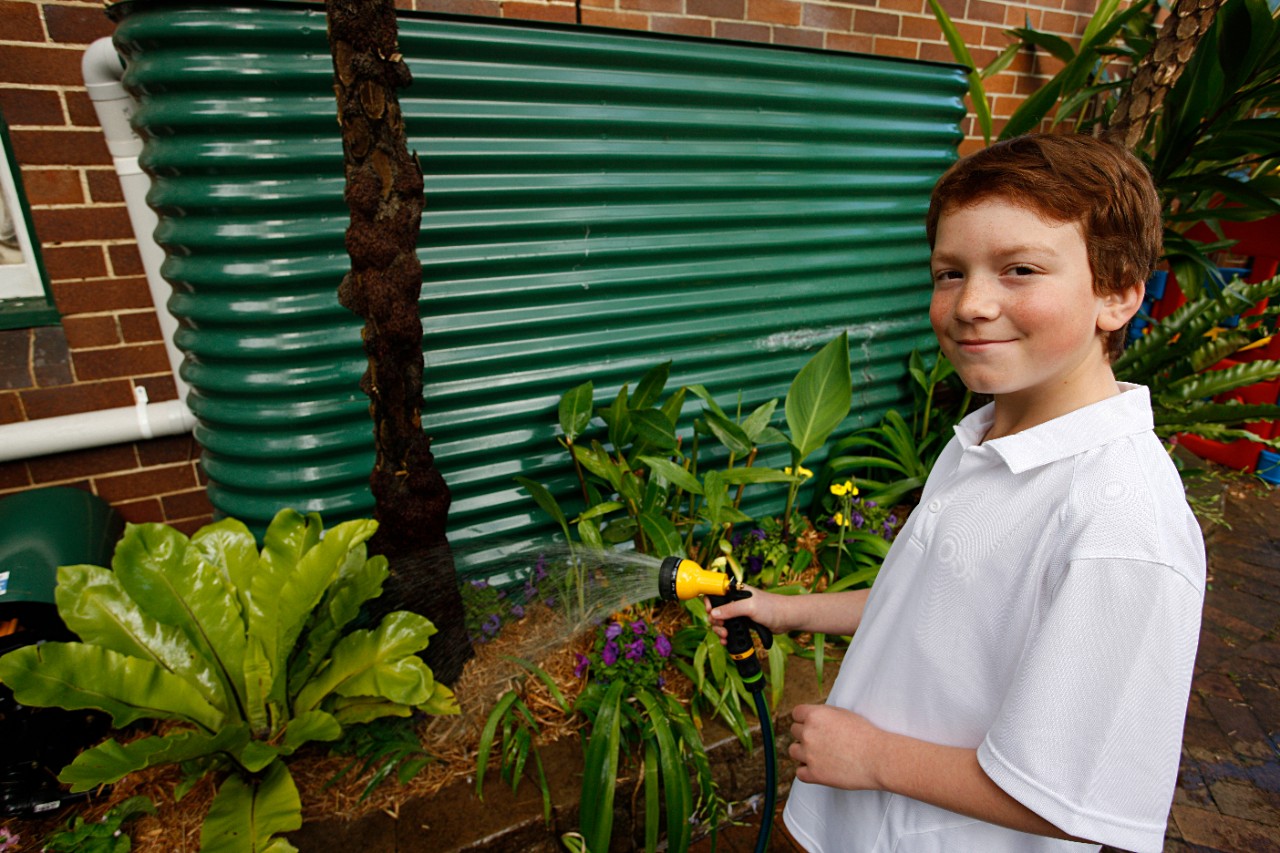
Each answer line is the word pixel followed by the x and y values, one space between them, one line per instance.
pixel 1015 310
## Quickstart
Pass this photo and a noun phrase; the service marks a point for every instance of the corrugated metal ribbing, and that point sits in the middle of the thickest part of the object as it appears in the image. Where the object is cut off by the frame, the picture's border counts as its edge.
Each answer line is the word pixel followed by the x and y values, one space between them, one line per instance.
pixel 597 202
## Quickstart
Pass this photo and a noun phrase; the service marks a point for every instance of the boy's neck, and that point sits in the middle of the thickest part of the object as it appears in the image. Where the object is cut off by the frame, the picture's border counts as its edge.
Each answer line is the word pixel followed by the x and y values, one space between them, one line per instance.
pixel 1017 412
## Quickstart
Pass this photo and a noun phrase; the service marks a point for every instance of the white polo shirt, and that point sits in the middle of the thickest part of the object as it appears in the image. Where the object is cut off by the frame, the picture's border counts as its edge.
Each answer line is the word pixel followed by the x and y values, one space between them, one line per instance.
pixel 1042 605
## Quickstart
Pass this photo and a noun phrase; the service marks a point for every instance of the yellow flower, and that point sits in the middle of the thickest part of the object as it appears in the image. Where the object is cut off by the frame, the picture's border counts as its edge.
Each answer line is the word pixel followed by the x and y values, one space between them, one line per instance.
pixel 799 472
pixel 838 518
pixel 842 489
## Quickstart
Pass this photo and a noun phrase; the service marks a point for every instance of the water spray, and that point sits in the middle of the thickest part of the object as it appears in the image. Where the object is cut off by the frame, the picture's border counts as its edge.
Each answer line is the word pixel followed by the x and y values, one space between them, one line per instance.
pixel 681 579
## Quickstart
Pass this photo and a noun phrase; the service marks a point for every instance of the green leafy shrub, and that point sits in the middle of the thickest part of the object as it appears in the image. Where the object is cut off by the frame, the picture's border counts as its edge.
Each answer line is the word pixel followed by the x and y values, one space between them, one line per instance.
pixel 106 835
pixel 247 654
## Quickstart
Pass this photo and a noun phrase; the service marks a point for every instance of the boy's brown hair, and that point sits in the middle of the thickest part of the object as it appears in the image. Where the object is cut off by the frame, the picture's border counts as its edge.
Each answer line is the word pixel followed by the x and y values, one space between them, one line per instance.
pixel 1068 178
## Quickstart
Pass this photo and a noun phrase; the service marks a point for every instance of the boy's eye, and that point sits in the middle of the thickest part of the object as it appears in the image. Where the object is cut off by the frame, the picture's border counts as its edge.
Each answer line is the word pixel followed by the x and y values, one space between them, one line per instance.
pixel 1022 269
pixel 946 275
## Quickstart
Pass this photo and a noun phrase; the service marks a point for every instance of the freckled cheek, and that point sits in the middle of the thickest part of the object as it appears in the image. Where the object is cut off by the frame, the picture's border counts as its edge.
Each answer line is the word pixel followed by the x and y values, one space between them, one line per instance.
pixel 940 310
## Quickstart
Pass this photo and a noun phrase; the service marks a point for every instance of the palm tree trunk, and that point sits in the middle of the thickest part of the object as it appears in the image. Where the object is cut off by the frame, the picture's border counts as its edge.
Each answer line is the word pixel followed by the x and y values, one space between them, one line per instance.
pixel 384 191
pixel 1159 69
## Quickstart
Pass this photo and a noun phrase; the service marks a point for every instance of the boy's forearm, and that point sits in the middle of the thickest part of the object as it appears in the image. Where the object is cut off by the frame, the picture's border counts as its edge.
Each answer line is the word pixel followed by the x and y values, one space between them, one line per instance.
pixel 951 778
pixel 836 613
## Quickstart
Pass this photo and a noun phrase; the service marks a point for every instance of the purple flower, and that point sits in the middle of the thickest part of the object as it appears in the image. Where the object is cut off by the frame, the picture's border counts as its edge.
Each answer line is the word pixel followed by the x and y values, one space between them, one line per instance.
pixel 502 593
pixel 550 601
pixel 857 519
pixel 581 666
pixel 529 590
pixel 540 567
pixel 754 565
pixel 491 625
pixel 638 627
pixel 635 650
pixel 735 540
pixel 759 534
pixel 612 632
pixel 663 646
pixel 662 682
pixel 610 653
pixel 481 583
pixel 872 503
pixel 893 519
pixel 517 612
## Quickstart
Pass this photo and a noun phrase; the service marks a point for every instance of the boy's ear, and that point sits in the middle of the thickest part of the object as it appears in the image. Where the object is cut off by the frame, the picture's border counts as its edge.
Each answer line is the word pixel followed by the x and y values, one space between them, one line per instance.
pixel 1119 306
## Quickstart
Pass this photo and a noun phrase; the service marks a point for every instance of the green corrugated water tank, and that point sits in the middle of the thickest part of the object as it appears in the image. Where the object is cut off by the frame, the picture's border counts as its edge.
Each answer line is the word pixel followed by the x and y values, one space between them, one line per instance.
pixel 596 202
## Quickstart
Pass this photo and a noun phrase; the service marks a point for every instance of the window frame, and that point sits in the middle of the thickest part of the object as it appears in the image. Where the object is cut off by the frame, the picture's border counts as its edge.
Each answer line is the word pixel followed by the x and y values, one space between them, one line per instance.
pixel 26 300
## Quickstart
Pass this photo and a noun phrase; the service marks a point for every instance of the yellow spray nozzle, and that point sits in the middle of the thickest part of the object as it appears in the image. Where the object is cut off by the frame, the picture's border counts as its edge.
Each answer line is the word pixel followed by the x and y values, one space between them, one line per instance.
pixel 684 579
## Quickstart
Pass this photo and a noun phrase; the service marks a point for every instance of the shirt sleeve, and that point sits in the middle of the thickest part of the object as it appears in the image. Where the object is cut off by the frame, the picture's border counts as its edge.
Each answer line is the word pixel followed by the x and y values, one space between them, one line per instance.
pixel 1089 735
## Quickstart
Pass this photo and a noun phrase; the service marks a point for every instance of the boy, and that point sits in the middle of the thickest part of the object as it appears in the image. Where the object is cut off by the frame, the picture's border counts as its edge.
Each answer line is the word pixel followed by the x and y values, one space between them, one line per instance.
pixel 1019 674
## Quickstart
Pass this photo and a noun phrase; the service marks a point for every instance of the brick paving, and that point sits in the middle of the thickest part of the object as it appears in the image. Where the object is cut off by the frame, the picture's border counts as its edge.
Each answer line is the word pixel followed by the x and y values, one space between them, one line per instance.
pixel 1228 794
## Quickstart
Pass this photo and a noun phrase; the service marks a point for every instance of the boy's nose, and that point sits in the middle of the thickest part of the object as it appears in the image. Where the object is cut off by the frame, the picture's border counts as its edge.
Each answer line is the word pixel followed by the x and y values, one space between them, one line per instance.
pixel 976 300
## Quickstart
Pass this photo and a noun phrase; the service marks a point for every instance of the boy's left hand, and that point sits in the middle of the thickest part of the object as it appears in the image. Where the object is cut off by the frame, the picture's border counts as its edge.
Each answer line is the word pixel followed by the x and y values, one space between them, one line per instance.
pixel 834 747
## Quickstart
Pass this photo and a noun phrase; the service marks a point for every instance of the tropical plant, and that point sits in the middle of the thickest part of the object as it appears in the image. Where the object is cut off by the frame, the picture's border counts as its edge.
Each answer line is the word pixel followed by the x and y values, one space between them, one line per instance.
pixel 1213 146
pixel 891 460
pixel 246 654
pixel 512 719
pixel 643 488
pixel 385 746
pixel 105 835
pixel 1178 357
pixel 628 713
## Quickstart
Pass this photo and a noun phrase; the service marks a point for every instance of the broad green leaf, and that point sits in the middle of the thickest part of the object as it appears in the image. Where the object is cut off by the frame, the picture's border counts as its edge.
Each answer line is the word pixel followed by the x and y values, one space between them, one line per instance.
pixel 820 396
pixel 704 395
pixel 649 389
pixel 739 476
pixel 672 473
pixel 363 709
pixel 246 815
pixel 307 584
pixel 575 411
pixel 546 501
pixel 340 607
pixel 618 418
pixel 255 755
pixel 94 605
pixel 441 702
pixel 259 679
pixel 589 533
pixel 654 427
pixel 674 405
pixel 600 774
pixel 175 585
pixel 111 761
pixel 759 419
pixel 228 545
pixel 595 460
pixel 77 676
pixel 730 434
pixel 380 662
pixel 662 534
pixel 307 727
pixel 600 509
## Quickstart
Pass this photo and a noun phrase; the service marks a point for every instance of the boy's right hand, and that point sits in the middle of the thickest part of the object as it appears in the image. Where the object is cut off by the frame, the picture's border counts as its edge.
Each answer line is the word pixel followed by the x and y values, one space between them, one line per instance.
pixel 765 608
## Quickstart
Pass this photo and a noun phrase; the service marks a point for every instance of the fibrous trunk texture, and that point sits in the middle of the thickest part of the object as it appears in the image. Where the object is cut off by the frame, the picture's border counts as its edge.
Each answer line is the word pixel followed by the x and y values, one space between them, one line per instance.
pixel 1156 72
pixel 384 191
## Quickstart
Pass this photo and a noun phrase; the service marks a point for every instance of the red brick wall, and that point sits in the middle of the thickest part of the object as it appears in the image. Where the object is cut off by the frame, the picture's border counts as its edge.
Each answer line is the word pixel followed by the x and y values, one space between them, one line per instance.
pixel 109 339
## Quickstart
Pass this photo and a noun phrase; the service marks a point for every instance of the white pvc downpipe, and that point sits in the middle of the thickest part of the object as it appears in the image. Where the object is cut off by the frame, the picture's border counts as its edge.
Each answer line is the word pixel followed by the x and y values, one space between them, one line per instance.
pixel 103 71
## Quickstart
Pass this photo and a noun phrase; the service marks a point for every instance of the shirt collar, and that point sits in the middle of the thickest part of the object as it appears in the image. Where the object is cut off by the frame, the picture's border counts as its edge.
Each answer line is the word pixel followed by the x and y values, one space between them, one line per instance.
pixel 1092 426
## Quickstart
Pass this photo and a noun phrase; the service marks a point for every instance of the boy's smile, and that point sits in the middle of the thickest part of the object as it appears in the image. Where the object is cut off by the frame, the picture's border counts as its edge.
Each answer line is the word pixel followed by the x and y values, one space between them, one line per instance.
pixel 1014 308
